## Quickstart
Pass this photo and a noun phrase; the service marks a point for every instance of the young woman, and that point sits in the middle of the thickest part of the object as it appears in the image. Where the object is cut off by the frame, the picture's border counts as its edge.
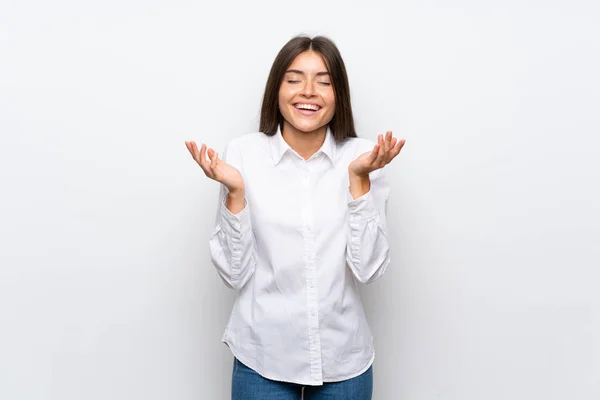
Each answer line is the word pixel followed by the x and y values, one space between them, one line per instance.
pixel 301 220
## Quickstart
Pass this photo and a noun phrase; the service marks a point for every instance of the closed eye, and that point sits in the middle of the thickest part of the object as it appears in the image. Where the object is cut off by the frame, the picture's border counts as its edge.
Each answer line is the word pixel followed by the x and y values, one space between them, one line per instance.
pixel 325 83
pixel 292 81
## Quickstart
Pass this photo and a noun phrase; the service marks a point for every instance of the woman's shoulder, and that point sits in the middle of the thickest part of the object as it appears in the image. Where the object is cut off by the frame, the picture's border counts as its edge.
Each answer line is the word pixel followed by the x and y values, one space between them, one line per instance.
pixel 249 138
pixel 356 145
pixel 248 141
pixel 245 149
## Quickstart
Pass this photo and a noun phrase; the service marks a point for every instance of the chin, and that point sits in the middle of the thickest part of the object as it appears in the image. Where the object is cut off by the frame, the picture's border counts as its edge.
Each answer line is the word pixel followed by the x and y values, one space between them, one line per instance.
pixel 307 127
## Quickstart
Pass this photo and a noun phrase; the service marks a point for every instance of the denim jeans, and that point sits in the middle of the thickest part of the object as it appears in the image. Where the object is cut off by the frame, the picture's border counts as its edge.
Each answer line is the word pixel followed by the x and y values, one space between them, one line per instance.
pixel 246 384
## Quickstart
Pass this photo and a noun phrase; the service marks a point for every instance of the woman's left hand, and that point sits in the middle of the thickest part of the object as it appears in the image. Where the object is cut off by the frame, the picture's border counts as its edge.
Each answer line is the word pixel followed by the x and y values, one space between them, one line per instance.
pixel 382 154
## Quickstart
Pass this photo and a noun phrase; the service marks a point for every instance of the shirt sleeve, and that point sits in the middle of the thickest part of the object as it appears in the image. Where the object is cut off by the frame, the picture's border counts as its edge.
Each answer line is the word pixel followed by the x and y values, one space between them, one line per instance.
pixel 232 244
pixel 367 250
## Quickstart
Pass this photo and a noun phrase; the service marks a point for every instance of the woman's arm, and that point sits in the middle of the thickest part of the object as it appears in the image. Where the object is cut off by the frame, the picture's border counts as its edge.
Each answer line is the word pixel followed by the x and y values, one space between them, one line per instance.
pixel 367 250
pixel 232 244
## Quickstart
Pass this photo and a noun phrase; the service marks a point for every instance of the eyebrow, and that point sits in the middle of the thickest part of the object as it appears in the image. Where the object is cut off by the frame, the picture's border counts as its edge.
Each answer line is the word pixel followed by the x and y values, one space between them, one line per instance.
pixel 297 71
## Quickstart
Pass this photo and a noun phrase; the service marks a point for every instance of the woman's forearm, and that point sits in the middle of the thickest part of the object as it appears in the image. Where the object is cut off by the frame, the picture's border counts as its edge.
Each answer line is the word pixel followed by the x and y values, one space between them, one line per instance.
pixel 236 201
pixel 359 184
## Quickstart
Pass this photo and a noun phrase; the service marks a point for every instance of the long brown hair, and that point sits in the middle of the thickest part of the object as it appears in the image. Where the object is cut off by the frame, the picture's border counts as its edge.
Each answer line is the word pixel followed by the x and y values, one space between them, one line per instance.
pixel 342 123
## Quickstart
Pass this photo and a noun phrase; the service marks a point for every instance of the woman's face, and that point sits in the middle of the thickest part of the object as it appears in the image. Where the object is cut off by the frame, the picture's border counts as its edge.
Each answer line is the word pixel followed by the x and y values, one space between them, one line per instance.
pixel 306 97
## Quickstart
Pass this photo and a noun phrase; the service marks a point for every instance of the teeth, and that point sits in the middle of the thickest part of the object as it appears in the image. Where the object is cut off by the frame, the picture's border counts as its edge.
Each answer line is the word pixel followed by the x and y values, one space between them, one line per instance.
pixel 308 107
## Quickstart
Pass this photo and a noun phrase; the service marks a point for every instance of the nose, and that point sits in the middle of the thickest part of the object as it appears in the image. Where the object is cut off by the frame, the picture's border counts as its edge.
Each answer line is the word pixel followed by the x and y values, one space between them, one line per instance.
pixel 309 89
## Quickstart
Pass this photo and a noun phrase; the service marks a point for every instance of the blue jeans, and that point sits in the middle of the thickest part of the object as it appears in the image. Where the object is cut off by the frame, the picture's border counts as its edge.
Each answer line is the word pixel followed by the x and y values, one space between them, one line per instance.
pixel 247 384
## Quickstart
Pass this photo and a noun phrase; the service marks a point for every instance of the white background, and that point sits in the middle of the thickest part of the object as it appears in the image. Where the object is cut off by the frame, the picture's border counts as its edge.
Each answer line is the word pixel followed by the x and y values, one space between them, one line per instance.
pixel 106 286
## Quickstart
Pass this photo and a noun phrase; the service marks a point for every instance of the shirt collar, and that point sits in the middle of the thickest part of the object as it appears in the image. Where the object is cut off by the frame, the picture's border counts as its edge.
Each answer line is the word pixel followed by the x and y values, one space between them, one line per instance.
pixel 279 146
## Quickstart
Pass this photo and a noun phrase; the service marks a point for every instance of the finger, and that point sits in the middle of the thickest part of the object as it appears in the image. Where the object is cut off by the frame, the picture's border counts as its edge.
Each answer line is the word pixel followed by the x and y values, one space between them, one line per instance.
pixel 380 160
pixel 213 161
pixel 193 149
pixel 377 149
pixel 374 153
pixel 217 159
pixel 400 145
pixel 388 141
pixel 201 156
pixel 390 154
pixel 396 150
pixel 211 154
pixel 387 147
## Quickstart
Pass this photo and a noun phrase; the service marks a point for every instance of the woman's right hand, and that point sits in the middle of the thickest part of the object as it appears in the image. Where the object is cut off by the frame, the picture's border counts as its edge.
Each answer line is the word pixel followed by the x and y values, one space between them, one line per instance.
pixel 215 168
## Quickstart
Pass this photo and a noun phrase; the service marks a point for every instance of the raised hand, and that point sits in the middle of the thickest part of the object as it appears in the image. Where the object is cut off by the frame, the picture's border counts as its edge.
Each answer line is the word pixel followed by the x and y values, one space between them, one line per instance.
pixel 215 168
pixel 382 154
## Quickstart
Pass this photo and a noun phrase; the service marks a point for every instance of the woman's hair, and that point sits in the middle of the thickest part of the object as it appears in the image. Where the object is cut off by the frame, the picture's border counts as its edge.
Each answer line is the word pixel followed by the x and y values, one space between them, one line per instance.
pixel 342 123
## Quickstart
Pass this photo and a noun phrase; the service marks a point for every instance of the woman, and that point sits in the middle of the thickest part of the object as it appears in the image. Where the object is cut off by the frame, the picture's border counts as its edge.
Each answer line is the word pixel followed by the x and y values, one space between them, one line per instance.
pixel 301 220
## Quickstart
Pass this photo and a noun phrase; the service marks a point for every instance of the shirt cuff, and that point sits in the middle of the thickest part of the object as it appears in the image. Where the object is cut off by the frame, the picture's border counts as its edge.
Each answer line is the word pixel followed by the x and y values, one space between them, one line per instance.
pixel 362 208
pixel 235 225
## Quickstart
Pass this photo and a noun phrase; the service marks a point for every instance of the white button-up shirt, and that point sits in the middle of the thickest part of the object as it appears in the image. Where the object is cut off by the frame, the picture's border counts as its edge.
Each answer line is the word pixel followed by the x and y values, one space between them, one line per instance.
pixel 295 255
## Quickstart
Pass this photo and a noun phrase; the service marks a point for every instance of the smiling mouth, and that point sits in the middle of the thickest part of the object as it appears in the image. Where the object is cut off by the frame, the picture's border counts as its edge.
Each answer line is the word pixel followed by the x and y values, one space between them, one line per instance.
pixel 307 109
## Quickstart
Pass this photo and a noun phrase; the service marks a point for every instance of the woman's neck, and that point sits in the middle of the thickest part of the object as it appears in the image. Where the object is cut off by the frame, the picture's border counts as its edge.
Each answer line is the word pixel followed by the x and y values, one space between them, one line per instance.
pixel 304 143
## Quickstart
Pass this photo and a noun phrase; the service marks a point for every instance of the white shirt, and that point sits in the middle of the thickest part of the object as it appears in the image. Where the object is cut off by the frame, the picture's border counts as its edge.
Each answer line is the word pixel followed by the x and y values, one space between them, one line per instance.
pixel 295 255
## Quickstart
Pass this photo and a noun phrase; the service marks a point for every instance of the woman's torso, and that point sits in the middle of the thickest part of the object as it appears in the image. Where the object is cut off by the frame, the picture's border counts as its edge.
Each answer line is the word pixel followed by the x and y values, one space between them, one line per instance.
pixel 299 318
